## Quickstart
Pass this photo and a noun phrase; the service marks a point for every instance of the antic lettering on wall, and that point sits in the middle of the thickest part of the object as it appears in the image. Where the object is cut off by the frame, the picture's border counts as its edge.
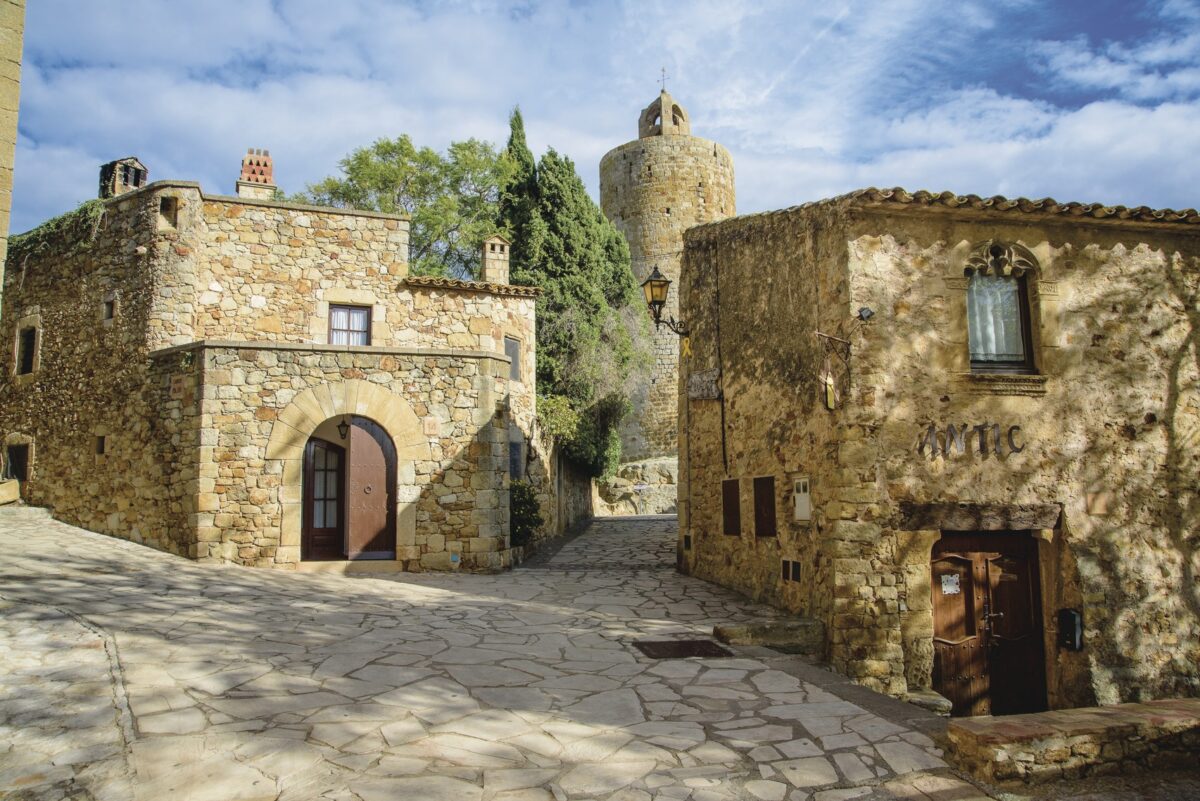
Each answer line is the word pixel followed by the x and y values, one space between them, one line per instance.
pixel 979 440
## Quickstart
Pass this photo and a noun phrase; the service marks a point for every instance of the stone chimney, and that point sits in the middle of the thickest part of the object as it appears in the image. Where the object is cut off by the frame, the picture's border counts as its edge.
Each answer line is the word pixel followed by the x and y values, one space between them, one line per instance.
pixel 258 175
pixel 494 269
pixel 121 176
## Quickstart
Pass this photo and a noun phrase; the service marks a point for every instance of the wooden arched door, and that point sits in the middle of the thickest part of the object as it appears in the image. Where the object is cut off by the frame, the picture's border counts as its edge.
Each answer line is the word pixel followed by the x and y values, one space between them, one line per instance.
pixel 324 514
pixel 371 492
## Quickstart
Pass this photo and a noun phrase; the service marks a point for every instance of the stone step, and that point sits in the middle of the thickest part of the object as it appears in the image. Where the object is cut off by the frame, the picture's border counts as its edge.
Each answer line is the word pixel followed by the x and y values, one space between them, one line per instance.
pixel 19 511
pixel 10 492
pixel 795 636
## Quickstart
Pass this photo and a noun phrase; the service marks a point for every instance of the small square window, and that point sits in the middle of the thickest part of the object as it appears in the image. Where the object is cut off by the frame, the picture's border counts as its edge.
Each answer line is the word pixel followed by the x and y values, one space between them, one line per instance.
pixel 731 506
pixel 764 507
pixel 26 350
pixel 349 325
pixel 16 462
pixel 512 349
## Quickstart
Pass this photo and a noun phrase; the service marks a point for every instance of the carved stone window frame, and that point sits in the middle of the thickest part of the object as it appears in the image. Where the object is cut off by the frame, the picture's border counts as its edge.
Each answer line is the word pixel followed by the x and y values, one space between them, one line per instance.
pixel 1014 258
pixel 1006 260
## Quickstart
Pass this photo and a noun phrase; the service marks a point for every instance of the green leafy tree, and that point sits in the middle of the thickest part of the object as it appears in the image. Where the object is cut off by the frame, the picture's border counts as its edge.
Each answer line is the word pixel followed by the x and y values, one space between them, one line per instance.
pixel 588 316
pixel 452 199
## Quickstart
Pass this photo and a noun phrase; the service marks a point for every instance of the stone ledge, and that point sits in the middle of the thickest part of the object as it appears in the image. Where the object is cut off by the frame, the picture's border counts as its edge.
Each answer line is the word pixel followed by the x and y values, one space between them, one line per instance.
pixel 1070 743
pixel 1004 383
pixel 170 183
pixel 797 636
pixel 314 347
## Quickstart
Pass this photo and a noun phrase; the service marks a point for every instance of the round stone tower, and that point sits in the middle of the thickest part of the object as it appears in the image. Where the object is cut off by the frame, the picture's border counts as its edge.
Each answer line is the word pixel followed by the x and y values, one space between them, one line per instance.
pixel 653 189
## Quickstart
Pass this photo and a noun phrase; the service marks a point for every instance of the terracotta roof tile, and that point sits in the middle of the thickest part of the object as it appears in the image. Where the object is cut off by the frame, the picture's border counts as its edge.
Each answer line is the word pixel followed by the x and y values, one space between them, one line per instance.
pixel 902 197
pixel 433 282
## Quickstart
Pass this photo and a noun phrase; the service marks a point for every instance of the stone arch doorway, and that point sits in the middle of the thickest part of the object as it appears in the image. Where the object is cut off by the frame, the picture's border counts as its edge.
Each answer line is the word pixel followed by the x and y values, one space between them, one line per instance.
pixel 349 492
pixel 316 412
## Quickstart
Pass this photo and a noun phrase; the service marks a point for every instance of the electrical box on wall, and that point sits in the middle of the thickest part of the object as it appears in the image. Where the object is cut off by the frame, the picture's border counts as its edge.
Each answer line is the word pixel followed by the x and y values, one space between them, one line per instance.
pixel 801 498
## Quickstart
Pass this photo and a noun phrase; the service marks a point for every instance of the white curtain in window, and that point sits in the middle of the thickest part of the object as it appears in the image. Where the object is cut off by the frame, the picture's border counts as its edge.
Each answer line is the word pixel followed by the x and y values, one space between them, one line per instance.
pixel 358 327
pixel 994 318
pixel 339 323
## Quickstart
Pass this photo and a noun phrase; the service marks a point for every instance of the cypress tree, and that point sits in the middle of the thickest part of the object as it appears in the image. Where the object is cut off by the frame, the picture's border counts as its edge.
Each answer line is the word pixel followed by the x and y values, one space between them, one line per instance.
pixel 563 244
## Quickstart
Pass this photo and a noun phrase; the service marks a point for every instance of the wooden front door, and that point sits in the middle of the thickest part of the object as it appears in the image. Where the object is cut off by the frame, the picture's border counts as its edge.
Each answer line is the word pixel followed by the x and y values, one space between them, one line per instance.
pixel 371 492
pixel 988 655
pixel 324 517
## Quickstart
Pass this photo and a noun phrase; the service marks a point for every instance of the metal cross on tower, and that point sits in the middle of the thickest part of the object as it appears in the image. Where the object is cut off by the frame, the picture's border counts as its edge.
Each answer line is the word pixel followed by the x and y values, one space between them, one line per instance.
pixel 663 80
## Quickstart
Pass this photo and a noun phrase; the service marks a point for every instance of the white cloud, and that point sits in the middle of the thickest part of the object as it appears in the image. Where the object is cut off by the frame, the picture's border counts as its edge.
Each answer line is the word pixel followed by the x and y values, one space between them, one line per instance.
pixel 812 99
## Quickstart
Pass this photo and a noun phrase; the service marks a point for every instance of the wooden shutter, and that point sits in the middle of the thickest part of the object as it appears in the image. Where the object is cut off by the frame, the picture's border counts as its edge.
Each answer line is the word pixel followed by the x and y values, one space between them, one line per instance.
pixel 764 507
pixel 512 349
pixel 731 506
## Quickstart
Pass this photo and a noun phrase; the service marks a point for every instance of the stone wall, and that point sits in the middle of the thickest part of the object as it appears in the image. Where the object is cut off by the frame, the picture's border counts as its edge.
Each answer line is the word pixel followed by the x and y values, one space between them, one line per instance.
pixel 653 189
pixel 93 379
pixel 1110 425
pixel 752 413
pixel 259 403
pixel 649 487
pixel 1052 746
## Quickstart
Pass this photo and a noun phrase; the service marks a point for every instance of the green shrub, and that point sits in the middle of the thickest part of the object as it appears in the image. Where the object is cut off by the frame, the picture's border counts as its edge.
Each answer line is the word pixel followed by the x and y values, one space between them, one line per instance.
pixel 597 443
pixel 525 516
pixel 557 418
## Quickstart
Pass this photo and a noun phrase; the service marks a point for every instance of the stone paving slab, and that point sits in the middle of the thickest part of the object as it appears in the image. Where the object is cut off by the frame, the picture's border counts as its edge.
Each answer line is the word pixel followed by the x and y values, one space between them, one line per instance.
pixel 251 684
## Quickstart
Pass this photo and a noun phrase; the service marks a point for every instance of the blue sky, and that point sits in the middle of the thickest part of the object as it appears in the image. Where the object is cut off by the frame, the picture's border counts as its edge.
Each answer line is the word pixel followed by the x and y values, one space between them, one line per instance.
pixel 1095 100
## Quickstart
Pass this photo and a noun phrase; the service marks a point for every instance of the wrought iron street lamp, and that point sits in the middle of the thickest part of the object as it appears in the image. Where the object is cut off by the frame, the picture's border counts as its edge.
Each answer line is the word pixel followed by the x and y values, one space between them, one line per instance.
pixel 343 428
pixel 655 287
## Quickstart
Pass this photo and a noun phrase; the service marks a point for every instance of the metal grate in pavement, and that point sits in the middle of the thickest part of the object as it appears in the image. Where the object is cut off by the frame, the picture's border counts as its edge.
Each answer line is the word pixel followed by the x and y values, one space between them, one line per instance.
pixel 680 649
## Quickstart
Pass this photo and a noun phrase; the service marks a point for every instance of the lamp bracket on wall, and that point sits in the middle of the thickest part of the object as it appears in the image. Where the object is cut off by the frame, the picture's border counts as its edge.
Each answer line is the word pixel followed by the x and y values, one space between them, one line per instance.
pixel 656 287
pixel 839 345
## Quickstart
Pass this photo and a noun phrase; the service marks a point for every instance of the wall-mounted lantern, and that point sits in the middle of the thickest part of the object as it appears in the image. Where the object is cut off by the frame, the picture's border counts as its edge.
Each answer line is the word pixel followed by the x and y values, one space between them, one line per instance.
pixel 656 286
pixel 343 428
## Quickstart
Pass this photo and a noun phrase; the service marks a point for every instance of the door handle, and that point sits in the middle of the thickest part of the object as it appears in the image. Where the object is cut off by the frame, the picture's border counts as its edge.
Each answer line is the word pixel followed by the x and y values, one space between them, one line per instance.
pixel 368 489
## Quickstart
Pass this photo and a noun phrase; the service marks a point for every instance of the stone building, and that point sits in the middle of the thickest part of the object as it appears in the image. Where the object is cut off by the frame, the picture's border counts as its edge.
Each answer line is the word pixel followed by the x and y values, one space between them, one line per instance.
pixel 244 380
pixel 653 189
pixel 12 39
pixel 961 433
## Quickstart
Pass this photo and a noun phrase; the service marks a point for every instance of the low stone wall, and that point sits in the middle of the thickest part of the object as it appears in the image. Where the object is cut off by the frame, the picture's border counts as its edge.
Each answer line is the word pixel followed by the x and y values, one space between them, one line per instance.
pixel 1070 743
pixel 650 487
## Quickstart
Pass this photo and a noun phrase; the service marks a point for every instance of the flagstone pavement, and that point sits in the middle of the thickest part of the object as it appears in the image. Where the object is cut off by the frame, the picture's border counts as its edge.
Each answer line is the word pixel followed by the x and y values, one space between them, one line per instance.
pixel 126 673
